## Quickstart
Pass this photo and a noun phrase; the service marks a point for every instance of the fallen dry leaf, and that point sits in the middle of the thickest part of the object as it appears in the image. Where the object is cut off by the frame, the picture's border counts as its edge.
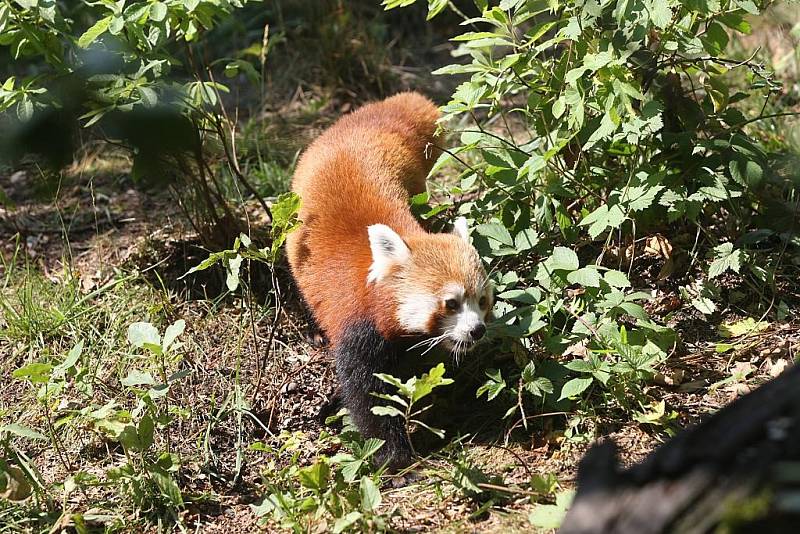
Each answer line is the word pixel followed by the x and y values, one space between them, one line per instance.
pixel 658 245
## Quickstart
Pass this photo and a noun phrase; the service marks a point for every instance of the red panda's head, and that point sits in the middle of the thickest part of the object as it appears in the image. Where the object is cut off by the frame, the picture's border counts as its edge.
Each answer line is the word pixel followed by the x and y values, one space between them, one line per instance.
pixel 438 283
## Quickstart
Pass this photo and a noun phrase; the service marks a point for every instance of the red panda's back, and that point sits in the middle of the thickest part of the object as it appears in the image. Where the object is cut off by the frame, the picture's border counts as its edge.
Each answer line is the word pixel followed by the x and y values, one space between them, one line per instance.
pixel 357 173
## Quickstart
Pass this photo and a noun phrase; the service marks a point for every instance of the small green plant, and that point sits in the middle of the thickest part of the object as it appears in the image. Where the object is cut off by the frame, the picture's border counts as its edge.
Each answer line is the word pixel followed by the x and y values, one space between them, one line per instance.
pixel 336 494
pixel 550 516
pixel 148 475
pixel 284 221
pixel 406 404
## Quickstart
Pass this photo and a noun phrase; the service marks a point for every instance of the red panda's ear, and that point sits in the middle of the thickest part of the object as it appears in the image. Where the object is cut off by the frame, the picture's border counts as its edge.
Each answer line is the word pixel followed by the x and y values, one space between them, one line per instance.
pixel 388 249
pixel 460 229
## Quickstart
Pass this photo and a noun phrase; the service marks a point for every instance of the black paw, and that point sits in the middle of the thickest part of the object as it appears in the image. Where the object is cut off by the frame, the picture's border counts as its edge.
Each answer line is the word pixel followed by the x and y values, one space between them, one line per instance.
pixel 329 408
pixel 316 338
pixel 407 479
pixel 395 455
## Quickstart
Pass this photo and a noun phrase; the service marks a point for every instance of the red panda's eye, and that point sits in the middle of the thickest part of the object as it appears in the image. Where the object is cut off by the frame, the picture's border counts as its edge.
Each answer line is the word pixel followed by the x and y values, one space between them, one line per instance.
pixel 451 304
pixel 482 302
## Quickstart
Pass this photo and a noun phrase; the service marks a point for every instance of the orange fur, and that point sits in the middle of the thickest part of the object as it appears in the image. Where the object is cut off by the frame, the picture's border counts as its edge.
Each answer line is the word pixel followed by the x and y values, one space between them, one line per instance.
pixel 358 173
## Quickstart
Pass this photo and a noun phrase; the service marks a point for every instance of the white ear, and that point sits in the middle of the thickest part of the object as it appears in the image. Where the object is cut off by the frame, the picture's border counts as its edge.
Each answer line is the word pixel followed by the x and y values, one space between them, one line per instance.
pixel 388 249
pixel 460 229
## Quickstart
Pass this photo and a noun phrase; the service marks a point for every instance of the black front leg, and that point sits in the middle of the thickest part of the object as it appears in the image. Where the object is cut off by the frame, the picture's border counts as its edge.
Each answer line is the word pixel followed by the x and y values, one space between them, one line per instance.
pixel 361 353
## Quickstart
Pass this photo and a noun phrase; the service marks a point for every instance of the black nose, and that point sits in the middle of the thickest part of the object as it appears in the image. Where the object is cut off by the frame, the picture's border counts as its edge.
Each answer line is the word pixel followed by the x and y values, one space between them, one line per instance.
pixel 477 332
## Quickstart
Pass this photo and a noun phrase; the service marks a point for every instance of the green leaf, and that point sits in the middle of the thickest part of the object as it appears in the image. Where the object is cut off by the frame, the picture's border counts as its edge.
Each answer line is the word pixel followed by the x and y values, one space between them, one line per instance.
pixel 562 258
pixel 370 447
pixel 603 217
pixel 580 366
pixel 526 240
pixel 575 387
pixel 343 523
pixel 705 305
pixel 91 35
pixel 370 494
pixel 173 331
pixel 741 328
pixel 169 488
pixel 726 258
pixel 616 279
pixel 232 280
pixel 438 432
pixel 138 378
pixel 496 232
pixel 586 276
pixel 148 96
pixel 550 516
pixel 389 411
pixel 22 431
pixel 435 7
pixel 660 13
pixel 145 432
pixel 493 386
pixel 158 11
pixel 141 332
pixel 559 106
pixel 429 381
pixel 315 476
pixel 25 109
pixel 715 40
pixel 37 373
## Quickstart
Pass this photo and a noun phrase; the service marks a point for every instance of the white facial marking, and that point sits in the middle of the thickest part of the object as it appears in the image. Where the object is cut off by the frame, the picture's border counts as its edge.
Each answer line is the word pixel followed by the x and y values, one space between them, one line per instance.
pixel 460 229
pixel 415 311
pixel 388 249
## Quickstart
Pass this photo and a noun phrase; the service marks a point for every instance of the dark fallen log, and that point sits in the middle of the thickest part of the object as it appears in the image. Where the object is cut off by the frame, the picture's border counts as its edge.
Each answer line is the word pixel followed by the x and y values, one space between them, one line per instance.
pixel 738 471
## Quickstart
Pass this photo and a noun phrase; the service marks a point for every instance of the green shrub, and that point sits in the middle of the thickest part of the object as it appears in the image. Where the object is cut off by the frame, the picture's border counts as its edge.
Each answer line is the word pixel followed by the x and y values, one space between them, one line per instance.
pixel 135 71
pixel 583 125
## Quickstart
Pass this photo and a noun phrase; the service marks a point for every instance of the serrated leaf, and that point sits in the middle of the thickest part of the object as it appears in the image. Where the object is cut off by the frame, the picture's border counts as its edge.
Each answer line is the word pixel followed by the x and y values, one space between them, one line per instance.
pixel 616 279
pixel 586 276
pixel 575 387
pixel 726 258
pixel 526 240
pixel 370 447
pixel 563 258
pixel 704 305
pixel 496 232
pixel 660 13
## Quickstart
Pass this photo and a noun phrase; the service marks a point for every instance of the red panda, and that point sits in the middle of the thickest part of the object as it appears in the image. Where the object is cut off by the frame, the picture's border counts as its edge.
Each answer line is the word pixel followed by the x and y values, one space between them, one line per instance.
pixel 372 277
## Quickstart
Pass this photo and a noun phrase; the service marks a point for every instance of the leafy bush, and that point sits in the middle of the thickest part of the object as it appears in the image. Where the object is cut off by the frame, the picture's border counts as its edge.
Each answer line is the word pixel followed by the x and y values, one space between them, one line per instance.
pixel 134 71
pixel 582 126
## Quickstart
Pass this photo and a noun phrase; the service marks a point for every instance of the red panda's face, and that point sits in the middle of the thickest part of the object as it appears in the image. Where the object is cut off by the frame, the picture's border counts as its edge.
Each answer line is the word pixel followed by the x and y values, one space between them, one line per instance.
pixel 439 284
